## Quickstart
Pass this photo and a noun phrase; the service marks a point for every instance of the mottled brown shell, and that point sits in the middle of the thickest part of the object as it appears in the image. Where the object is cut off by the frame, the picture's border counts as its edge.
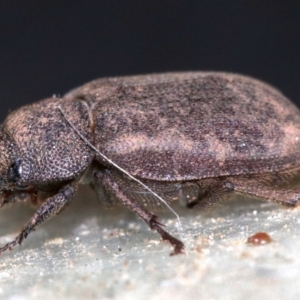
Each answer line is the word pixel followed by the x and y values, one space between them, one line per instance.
pixel 185 126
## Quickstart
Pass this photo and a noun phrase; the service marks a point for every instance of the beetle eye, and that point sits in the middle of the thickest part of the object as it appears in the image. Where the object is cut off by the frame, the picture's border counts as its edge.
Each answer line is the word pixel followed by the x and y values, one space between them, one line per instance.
pixel 15 170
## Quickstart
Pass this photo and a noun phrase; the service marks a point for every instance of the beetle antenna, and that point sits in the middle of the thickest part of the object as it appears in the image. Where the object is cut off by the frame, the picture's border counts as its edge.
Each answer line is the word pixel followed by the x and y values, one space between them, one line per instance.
pixel 124 171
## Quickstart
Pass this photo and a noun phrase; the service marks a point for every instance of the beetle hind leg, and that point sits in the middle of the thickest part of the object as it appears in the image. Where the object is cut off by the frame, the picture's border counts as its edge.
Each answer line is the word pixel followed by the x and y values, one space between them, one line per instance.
pixel 209 192
pixel 257 189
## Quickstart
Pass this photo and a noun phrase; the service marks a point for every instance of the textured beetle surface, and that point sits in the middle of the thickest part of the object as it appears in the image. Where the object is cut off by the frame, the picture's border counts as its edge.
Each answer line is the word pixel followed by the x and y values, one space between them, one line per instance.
pixel 195 137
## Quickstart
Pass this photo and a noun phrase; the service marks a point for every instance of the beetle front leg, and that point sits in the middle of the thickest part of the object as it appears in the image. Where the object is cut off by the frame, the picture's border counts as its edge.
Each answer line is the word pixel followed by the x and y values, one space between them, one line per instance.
pixel 50 208
pixel 152 220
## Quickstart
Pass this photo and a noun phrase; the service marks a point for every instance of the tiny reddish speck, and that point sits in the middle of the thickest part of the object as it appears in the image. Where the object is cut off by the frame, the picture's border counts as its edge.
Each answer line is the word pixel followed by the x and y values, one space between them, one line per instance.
pixel 259 238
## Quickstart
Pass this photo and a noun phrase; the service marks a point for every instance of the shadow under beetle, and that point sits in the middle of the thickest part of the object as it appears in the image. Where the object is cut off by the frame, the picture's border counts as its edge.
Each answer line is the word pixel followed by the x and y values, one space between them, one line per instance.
pixel 195 137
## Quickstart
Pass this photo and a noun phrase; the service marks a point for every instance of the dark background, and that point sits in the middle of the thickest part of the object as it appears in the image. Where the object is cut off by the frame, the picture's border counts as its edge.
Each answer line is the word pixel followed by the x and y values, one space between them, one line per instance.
pixel 49 47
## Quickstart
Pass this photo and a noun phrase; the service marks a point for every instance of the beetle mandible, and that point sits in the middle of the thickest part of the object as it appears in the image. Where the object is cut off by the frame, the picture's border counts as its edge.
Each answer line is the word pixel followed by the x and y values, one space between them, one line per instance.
pixel 196 137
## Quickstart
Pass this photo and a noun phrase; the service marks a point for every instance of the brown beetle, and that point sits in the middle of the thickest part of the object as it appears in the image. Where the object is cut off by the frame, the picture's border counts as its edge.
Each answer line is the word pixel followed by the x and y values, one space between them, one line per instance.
pixel 196 137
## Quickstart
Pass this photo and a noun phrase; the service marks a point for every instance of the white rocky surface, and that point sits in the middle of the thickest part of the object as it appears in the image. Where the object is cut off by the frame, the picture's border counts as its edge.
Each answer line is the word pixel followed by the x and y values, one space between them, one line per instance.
pixel 91 253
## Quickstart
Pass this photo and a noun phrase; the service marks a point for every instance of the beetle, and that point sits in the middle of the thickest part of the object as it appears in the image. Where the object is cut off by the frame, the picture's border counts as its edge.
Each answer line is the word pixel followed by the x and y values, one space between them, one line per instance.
pixel 195 137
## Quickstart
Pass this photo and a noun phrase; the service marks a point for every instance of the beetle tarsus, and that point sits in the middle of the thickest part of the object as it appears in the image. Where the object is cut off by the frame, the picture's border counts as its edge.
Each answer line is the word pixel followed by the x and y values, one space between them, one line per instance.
pixel 9 246
pixel 178 246
pixel 17 241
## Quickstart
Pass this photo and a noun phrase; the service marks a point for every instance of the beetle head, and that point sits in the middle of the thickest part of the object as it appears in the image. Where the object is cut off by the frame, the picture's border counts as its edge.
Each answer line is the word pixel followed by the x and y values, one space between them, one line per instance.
pixel 8 150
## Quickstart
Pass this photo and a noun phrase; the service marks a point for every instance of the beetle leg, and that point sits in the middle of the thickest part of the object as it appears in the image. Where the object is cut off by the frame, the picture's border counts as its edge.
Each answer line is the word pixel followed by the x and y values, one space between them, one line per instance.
pixel 188 194
pixel 50 208
pixel 102 194
pixel 152 220
pixel 259 190
pixel 211 191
